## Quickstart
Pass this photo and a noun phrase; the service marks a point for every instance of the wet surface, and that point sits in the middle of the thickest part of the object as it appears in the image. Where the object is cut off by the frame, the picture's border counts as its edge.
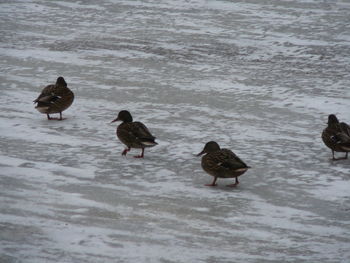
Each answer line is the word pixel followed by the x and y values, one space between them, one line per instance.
pixel 260 78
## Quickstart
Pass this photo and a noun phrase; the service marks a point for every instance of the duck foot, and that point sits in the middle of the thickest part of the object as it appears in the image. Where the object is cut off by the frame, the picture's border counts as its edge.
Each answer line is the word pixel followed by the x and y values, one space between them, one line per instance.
pixel 53 118
pixel 213 183
pixel 337 159
pixel 56 119
pixel 233 185
pixel 125 151
pixel 141 155
pixel 340 158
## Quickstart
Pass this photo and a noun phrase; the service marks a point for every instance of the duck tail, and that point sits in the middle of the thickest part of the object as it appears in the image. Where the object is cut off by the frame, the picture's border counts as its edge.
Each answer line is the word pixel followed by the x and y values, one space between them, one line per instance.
pixel 149 141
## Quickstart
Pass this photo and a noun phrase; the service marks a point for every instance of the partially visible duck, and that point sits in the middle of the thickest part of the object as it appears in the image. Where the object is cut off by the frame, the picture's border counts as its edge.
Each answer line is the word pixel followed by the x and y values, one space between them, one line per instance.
pixel 55 98
pixel 221 163
pixel 337 136
pixel 133 134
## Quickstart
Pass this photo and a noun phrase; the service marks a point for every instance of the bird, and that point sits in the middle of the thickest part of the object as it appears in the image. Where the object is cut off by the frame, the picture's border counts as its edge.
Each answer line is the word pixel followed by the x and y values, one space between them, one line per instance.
pixel 336 136
pixel 221 163
pixel 55 98
pixel 133 134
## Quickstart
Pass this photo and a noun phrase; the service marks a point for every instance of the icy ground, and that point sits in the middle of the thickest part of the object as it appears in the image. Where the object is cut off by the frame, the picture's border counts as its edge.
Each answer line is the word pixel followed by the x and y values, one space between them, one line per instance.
pixel 259 77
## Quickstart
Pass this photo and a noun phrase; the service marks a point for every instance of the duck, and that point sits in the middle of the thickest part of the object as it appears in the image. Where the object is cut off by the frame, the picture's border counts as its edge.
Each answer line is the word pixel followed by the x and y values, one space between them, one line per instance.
pixel 133 134
pixel 221 163
pixel 336 136
pixel 55 98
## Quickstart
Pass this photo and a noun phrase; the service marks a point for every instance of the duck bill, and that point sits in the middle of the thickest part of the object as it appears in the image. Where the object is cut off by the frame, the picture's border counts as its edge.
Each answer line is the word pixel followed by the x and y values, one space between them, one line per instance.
pixel 114 120
pixel 201 153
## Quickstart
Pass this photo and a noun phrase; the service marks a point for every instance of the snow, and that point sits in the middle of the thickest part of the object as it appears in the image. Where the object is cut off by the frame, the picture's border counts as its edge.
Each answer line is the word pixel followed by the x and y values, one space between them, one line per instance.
pixel 260 78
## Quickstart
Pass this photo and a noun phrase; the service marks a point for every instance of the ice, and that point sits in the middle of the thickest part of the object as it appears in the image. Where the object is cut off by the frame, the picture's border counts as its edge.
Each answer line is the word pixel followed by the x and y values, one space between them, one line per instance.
pixel 258 77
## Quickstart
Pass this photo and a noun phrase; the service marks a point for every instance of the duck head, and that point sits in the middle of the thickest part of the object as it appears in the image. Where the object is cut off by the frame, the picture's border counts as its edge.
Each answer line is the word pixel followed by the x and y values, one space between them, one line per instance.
pixel 332 119
pixel 61 82
pixel 123 116
pixel 209 148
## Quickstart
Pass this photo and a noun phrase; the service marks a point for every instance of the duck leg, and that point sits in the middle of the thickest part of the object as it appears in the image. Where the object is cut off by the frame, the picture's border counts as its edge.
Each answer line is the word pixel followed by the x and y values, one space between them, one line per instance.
pixel 60 118
pixel 334 159
pixel 141 155
pixel 51 118
pixel 341 158
pixel 213 183
pixel 235 184
pixel 126 151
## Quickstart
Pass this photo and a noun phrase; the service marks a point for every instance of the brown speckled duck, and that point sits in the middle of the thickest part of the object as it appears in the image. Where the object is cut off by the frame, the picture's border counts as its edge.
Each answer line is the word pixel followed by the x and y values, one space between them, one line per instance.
pixel 55 98
pixel 337 136
pixel 221 163
pixel 133 134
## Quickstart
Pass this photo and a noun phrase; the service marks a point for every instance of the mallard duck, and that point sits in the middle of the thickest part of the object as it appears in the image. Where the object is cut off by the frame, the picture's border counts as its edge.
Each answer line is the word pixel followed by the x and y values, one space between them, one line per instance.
pixel 133 134
pixel 221 163
pixel 55 98
pixel 337 136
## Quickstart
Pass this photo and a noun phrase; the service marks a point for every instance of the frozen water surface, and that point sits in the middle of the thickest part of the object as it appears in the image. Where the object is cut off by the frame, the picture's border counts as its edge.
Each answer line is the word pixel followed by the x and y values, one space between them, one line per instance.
pixel 259 77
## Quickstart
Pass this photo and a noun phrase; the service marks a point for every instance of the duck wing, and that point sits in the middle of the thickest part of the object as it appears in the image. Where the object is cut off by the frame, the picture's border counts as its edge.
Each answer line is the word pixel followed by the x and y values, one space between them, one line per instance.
pixel 345 128
pixel 222 161
pixel 231 160
pixel 54 98
pixel 338 135
pixel 341 138
pixel 48 95
pixel 142 133
pixel 135 134
pixel 329 136
pixel 54 93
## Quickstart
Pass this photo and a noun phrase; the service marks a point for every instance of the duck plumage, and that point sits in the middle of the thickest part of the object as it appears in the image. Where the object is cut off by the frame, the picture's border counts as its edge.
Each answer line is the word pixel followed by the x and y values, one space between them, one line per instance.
pixel 55 98
pixel 221 163
pixel 133 134
pixel 336 136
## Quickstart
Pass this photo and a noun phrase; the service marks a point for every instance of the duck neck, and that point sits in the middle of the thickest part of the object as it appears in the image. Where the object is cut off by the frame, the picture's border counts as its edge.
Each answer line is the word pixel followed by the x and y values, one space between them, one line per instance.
pixel 128 120
pixel 333 125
